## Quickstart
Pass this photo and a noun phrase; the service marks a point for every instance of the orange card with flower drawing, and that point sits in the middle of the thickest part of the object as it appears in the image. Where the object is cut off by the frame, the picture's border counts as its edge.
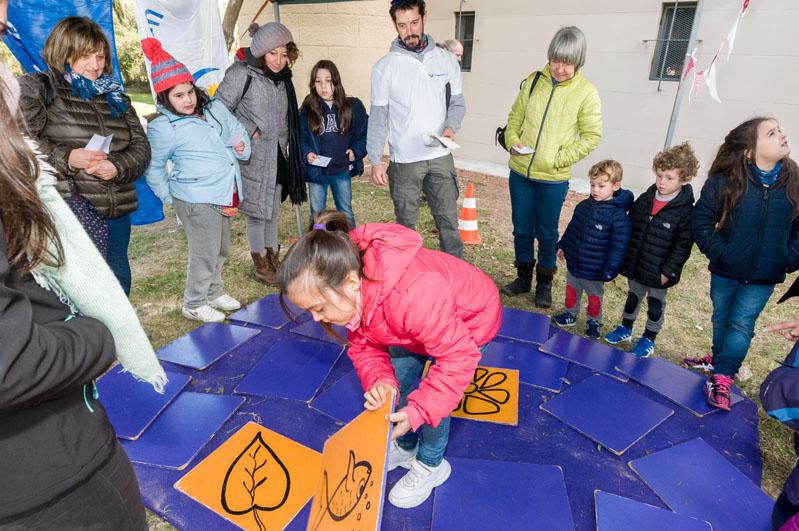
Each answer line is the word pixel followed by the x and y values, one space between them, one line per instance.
pixel 492 396
pixel 257 479
pixel 350 486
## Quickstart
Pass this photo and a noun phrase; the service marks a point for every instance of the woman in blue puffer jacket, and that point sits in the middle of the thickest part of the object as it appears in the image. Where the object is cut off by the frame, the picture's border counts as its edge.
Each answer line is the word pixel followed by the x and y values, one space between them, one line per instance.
pixel 204 142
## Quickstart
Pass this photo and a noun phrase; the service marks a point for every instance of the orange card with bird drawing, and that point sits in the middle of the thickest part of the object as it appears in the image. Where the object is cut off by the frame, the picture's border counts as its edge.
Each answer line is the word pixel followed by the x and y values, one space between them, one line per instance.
pixel 257 479
pixel 351 483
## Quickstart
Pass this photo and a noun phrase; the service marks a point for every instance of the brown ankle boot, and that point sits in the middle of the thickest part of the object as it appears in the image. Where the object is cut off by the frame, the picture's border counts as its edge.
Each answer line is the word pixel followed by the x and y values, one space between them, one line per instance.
pixel 272 259
pixel 263 273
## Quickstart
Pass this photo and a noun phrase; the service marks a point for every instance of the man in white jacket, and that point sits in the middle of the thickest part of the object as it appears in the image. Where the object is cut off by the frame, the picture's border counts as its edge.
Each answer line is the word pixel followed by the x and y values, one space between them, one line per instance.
pixel 410 104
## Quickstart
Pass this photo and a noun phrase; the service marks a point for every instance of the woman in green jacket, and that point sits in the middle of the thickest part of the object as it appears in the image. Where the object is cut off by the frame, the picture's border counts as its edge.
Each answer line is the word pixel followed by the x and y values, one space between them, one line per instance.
pixel 555 121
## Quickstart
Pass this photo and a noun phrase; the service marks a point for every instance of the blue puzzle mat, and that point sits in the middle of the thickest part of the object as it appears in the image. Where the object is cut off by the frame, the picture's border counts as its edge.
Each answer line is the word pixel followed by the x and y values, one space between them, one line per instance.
pixel 182 430
pixel 204 345
pixel 695 480
pixel 608 412
pixel 586 353
pixel 535 368
pixel 616 513
pixel 682 386
pixel 314 330
pixel 524 326
pixel 539 439
pixel 132 405
pixel 498 495
pixel 291 369
pixel 343 400
pixel 267 312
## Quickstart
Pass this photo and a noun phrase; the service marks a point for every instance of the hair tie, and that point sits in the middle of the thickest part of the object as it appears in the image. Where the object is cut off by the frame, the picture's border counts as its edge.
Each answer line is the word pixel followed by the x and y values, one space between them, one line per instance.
pixel 319 226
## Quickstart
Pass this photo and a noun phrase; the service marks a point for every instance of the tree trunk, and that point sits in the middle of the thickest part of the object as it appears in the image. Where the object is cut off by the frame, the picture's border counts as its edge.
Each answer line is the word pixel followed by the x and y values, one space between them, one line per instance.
pixel 232 12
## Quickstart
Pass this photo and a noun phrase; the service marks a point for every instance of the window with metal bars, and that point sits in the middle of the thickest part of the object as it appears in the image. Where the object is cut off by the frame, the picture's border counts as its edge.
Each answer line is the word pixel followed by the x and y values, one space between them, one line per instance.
pixel 672 42
pixel 464 32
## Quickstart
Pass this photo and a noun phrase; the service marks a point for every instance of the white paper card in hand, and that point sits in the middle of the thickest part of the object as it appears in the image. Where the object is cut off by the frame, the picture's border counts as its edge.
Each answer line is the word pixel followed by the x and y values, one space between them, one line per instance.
pixel 524 150
pixel 447 142
pixel 100 143
pixel 321 161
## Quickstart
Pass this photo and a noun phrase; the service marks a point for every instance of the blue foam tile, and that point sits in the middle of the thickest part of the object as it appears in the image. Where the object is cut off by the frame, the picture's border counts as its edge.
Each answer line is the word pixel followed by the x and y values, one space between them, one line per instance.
pixel 266 312
pixel 181 431
pixel 314 330
pixel 291 369
pixel 524 326
pixel 684 387
pixel 586 353
pixel 608 412
pixel 205 344
pixel 343 400
pixel 695 480
pixel 535 368
pixel 498 495
pixel 616 513
pixel 132 405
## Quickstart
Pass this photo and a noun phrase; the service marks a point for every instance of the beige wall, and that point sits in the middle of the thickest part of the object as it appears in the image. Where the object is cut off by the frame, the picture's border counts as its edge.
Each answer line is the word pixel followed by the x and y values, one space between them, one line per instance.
pixel 762 76
pixel 354 35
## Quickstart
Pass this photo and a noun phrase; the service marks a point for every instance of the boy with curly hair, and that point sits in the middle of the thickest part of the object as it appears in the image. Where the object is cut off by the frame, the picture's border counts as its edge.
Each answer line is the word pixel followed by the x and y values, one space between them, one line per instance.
pixel 660 244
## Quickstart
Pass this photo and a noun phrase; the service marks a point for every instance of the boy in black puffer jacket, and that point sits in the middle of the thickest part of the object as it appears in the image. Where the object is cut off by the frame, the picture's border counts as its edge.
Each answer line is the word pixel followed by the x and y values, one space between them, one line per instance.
pixel 594 244
pixel 660 245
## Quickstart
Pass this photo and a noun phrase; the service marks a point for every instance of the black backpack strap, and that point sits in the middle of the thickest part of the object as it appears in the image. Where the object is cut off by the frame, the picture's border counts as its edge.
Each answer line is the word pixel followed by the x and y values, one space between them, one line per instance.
pixel 243 93
pixel 532 85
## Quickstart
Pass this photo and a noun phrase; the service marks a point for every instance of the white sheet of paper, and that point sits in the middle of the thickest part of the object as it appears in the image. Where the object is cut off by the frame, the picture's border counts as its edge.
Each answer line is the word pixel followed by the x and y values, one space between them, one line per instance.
pixel 100 143
pixel 321 161
pixel 235 139
pixel 447 142
pixel 524 150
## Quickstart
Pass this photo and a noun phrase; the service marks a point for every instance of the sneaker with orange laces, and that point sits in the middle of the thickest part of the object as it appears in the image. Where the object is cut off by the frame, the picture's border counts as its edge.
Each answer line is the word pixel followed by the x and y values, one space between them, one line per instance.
pixel 704 364
pixel 717 389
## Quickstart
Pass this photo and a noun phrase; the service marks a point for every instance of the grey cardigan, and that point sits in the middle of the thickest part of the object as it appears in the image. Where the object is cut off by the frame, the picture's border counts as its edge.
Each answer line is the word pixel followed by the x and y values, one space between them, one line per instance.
pixel 264 109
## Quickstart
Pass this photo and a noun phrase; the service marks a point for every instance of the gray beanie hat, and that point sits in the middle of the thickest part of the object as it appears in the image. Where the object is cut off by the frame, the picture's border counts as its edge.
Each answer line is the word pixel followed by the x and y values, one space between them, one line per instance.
pixel 268 37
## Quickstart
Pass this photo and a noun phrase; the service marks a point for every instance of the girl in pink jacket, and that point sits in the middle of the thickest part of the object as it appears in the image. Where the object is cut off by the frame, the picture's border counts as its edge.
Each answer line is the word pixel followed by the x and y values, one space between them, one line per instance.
pixel 402 305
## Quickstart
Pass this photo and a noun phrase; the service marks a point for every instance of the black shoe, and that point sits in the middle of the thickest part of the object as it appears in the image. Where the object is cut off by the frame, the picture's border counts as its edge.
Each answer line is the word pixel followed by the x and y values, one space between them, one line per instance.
pixel 543 287
pixel 523 282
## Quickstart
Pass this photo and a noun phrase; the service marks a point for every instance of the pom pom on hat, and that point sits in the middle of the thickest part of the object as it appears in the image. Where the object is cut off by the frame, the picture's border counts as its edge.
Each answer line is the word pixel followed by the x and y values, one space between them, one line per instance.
pixel 165 70
pixel 268 37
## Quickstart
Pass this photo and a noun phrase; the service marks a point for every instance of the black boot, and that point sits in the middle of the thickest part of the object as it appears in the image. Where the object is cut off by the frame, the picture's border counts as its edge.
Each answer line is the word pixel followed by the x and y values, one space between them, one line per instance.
pixel 524 280
pixel 543 287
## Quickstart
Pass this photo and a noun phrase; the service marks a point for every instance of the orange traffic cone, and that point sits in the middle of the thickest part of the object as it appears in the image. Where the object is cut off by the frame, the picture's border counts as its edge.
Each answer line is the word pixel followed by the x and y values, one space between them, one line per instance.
pixel 467 221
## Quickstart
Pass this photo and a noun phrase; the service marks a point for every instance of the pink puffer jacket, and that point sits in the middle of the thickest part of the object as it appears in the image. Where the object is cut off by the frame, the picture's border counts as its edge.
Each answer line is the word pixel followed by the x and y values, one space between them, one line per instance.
pixel 427 302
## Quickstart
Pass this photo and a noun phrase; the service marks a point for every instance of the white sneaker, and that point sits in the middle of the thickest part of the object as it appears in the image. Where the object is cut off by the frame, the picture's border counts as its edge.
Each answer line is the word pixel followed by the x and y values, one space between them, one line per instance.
pixel 417 485
pixel 225 302
pixel 398 456
pixel 204 313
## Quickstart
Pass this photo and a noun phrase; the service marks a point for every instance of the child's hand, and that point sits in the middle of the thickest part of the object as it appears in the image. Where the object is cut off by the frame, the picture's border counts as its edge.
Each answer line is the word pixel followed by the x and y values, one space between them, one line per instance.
pixel 788 329
pixel 350 155
pixel 401 424
pixel 239 148
pixel 448 132
pixel 561 254
pixel 663 279
pixel 311 157
pixel 377 395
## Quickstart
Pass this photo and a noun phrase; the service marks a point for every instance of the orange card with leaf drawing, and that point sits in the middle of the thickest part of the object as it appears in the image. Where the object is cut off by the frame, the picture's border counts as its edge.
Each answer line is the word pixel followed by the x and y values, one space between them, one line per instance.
pixel 492 396
pixel 350 486
pixel 257 479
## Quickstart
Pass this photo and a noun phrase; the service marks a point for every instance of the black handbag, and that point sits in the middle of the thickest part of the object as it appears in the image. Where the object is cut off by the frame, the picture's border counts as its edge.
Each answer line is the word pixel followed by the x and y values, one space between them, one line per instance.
pixel 499 134
pixel 90 219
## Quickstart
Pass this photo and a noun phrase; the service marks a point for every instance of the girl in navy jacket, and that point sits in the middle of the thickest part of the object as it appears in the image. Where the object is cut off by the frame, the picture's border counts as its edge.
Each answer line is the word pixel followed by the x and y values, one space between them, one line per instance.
pixel 745 222
pixel 334 126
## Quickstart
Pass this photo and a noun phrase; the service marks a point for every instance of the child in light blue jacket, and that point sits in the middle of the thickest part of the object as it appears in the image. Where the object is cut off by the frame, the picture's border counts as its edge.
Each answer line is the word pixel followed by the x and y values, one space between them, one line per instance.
pixel 204 143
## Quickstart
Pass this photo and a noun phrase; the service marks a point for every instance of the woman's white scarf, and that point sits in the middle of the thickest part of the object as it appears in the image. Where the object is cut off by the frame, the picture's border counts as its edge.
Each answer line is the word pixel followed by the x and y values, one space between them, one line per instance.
pixel 86 283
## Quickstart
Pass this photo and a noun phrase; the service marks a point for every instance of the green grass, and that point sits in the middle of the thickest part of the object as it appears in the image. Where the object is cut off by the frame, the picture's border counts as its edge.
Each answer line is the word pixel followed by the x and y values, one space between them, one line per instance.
pixel 158 256
pixel 142 102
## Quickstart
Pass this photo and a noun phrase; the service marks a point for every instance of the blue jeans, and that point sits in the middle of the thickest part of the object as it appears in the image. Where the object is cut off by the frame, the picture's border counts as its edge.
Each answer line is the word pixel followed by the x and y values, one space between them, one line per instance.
pixel 432 441
pixel 736 307
pixel 117 255
pixel 341 186
pixel 535 212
